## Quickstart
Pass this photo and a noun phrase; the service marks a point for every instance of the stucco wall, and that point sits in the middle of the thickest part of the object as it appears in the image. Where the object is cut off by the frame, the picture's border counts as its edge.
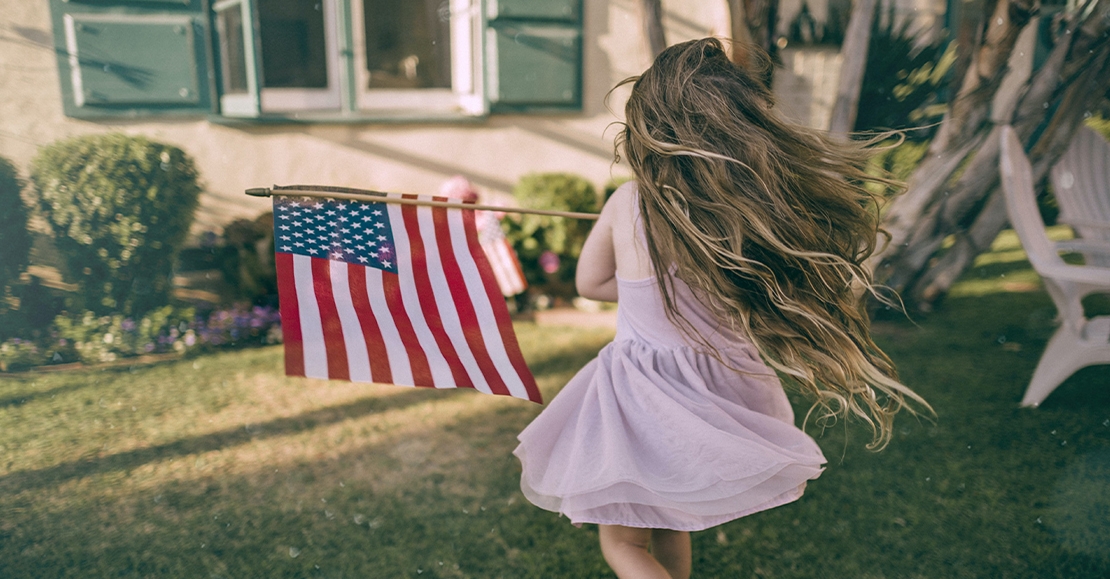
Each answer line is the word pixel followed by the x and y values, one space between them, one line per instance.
pixel 493 153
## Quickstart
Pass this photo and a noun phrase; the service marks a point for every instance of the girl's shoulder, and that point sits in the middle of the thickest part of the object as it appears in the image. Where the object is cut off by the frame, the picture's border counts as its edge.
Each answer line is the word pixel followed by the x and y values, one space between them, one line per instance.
pixel 626 193
pixel 623 202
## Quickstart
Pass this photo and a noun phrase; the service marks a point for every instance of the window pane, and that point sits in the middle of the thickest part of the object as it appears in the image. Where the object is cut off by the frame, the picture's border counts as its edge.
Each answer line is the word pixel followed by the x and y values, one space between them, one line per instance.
pixel 408 43
pixel 233 60
pixel 294 52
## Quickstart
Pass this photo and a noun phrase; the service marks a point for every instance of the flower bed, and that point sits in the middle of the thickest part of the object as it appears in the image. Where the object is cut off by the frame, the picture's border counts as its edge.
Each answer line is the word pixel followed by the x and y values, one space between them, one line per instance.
pixel 92 339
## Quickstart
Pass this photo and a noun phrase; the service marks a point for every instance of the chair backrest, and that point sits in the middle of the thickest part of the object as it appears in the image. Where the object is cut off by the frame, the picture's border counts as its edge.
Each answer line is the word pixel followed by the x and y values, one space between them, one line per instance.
pixel 1081 181
pixel 1021 204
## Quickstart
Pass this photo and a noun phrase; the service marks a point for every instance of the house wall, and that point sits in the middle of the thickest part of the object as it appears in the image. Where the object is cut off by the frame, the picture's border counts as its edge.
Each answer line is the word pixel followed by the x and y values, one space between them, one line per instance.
pixel 493 152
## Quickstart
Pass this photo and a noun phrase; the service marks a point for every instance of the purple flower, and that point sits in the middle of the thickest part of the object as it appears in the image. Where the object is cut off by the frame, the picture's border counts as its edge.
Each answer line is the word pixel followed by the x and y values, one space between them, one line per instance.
pixel 127 325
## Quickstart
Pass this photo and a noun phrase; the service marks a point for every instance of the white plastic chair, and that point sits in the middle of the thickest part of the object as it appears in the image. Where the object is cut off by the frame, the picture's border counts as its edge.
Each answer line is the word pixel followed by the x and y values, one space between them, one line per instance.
pixel 1079 341
pixel 1081 182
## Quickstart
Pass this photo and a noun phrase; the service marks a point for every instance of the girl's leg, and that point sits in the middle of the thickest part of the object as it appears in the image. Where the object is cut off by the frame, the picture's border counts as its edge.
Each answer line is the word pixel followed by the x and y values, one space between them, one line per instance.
pixel 672 550
pixel 626 551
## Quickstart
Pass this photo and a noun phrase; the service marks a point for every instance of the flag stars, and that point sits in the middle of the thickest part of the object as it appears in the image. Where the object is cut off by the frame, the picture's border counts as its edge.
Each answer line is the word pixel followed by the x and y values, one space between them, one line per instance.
pixel 351 232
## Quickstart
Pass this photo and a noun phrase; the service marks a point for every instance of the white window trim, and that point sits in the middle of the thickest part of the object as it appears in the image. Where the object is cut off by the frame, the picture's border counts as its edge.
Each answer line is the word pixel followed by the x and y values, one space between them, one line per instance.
pixel 241 104
pixel 466 95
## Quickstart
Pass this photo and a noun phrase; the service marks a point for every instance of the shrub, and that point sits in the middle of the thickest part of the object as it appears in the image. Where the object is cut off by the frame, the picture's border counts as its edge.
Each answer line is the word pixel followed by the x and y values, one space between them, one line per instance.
pixel 904 80
pixel 247 259
pixel 92 339
pixel 14 237
pixel 120 207
pixel 534 235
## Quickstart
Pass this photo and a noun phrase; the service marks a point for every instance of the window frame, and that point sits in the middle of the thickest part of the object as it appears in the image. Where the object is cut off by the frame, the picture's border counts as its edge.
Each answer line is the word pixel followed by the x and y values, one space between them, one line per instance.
pixel 467 93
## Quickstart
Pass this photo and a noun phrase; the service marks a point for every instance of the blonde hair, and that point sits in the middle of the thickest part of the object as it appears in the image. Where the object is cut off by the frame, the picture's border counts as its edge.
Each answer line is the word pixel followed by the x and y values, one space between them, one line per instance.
pixel 767 222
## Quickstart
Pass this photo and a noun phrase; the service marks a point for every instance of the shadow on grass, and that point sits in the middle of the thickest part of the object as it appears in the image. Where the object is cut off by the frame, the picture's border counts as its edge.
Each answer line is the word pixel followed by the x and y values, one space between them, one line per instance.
pixel 318 517
pixel 21 399
pixel 37 478
pixel 57 474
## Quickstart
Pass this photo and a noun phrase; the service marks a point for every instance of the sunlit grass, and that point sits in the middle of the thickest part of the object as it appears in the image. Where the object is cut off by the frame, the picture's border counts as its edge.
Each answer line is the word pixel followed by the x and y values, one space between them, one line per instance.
pixel 220 466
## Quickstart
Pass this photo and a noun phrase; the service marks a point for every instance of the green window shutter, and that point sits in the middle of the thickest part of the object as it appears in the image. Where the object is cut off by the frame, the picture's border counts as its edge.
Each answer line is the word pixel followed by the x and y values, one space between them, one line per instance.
pixel 131 58
pixel 534 55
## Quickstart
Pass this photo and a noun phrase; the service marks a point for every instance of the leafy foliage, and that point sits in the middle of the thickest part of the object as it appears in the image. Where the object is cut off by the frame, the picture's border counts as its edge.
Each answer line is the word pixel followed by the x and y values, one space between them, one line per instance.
pixel 92 339
pixel 247 259
pixel 533 235
pixel 14 237
pixel 120 206
pixel 904 81
pixel 1100 123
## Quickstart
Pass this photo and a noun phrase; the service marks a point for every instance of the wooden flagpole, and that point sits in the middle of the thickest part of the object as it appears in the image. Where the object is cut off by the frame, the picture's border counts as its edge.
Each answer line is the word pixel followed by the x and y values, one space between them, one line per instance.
pixel 326 192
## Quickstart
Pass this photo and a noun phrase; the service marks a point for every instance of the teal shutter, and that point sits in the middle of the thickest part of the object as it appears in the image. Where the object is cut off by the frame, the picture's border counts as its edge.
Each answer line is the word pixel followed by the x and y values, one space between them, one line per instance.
pixel 132 57
pixel 534 55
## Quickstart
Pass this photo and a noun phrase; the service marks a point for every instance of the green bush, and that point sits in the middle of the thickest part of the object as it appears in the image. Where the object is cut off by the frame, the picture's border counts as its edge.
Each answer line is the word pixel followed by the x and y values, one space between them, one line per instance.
pixel 14 237
pixel 532 235
pixel 91 338
pixel 247 259
pixel 1101 124
pixel 120 206
pixel 904 80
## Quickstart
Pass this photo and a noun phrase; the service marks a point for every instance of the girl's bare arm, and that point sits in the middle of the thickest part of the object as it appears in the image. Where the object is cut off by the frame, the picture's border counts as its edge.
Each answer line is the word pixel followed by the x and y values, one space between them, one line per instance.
pixel 596 276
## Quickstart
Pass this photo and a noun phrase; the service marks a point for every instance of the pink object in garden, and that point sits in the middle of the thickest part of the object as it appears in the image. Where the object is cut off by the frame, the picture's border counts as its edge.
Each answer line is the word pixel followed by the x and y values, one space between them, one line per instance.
pixel 549 262
pixel 500 253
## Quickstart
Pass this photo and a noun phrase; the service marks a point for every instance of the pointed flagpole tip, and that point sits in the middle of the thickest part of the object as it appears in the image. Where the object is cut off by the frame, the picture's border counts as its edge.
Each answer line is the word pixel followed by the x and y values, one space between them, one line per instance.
pixel 259 192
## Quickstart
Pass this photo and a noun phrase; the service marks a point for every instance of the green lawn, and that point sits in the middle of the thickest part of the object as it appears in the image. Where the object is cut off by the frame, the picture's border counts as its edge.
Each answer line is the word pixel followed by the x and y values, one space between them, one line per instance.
pixel 219 466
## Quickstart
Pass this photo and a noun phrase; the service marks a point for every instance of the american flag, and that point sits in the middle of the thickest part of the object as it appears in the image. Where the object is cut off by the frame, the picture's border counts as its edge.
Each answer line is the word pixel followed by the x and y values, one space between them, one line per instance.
pixel 389 293
pixel 501 255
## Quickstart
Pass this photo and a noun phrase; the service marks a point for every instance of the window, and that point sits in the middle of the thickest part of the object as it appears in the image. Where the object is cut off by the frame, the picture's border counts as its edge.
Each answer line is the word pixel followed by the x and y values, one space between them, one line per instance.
pixel 326 60
pixel 418 54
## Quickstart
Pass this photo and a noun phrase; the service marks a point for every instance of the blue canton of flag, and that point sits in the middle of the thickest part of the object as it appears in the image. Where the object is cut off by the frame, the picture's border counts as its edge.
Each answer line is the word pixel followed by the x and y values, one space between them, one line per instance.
pixel 353 232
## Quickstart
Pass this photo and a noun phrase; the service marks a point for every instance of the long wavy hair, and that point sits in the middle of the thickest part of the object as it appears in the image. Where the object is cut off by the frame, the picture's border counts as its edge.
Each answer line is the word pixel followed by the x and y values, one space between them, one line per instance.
pixel 769 223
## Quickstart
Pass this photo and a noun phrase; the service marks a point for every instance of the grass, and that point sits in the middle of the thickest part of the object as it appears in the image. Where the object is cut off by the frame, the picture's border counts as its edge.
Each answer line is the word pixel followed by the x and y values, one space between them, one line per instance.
pixel 219 466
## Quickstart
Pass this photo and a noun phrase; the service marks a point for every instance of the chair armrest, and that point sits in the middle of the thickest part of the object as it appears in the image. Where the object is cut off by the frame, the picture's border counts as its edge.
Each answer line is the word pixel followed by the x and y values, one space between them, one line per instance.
pixel 1093 223
pixel 1084 246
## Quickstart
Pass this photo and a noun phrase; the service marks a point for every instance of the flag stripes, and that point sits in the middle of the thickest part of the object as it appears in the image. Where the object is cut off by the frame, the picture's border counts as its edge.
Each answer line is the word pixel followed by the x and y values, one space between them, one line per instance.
pixel 506 266
pixel 439 321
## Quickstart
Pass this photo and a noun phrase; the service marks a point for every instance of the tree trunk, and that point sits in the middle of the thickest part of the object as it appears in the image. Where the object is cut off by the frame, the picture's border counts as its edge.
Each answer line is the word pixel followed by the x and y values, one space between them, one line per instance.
pixel 739 32
pixel 1072 81
pixel 653 26
pixel 853 62
pixel 752 23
